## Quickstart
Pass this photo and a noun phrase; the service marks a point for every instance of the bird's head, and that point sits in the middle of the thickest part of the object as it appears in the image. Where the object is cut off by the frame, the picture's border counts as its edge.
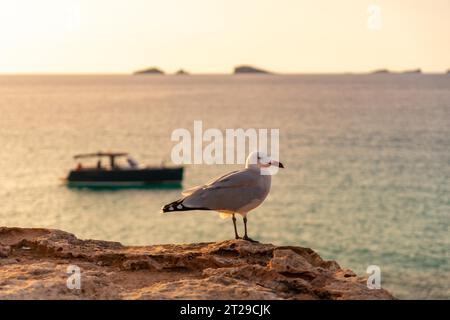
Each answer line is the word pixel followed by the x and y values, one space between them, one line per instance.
pixel 259 160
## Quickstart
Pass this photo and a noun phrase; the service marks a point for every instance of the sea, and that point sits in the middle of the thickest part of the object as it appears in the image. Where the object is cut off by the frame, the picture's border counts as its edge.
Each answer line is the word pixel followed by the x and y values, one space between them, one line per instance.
pixel 367 163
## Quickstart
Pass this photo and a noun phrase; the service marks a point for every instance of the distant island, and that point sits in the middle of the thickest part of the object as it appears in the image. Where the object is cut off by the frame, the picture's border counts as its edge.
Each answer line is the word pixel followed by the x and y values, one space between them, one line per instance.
pixel 152 70
pixel 181 72
pixel 249 69
pixel 412 71
pixel 380 71
pixel 386 71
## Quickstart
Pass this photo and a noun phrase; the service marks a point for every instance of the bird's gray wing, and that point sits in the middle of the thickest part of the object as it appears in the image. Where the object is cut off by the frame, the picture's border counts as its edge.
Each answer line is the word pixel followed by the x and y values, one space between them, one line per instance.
pixel 193 189
pixel 230 192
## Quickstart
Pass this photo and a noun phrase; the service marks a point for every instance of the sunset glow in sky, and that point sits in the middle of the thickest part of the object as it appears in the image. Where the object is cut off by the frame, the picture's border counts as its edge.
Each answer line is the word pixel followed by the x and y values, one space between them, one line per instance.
pixel 212 36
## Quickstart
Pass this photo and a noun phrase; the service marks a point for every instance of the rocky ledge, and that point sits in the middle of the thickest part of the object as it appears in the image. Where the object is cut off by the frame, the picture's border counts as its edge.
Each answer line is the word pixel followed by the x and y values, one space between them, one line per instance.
pixel 34 265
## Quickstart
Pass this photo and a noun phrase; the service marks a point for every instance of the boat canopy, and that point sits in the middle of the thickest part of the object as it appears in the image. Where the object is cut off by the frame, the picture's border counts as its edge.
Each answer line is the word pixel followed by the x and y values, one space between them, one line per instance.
pixel 100 154
pixel 111 155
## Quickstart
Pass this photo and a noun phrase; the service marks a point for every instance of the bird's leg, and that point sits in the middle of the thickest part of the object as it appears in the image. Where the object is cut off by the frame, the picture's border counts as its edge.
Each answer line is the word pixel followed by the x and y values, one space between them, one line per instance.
pixel 235 228
pixel 245 228
pixel 245 234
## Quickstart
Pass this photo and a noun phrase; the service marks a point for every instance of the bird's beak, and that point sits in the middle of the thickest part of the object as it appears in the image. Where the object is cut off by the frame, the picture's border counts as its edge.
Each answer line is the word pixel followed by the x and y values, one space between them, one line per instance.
pixel 277 164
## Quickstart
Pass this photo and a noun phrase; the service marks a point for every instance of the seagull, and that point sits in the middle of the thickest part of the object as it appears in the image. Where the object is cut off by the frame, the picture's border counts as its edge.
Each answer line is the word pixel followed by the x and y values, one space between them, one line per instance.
pixel 237 192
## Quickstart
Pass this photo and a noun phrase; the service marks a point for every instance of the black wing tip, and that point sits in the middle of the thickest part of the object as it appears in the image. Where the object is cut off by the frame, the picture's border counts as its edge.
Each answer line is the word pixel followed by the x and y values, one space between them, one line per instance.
pixel 175 206
pixel 178 206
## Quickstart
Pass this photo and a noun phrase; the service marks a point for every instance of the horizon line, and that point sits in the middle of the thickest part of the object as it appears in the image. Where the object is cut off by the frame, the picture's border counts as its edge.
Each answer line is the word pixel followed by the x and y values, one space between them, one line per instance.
pixel 269 73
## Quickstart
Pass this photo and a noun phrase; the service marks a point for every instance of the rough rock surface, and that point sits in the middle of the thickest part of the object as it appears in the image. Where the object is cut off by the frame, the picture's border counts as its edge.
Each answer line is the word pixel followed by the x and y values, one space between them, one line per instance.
pixel 34 263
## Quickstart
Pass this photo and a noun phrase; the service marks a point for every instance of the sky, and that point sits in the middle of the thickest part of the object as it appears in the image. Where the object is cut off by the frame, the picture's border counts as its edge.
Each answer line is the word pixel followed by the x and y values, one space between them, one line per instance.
pixel 213 36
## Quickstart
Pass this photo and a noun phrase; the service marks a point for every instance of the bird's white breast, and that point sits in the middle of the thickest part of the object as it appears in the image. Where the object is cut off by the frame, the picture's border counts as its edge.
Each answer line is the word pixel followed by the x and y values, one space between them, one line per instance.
pixel 264 182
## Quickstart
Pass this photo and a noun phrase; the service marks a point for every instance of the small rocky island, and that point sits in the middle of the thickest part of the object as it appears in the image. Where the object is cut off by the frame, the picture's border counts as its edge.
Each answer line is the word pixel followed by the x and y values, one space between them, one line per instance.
pixel 181 72
pixel 34 265
pixel 386 71
pixel 380 71
pixel 414 71
pixel 244 69
pixel 149 71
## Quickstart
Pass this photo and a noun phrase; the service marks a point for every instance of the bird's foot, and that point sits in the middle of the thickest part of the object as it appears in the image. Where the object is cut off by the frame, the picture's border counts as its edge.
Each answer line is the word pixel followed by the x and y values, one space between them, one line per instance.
pixel 249 239
pixel 237 237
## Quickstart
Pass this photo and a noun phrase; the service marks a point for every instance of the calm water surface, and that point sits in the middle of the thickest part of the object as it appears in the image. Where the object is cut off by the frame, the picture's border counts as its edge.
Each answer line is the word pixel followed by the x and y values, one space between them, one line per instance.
pixel 367 178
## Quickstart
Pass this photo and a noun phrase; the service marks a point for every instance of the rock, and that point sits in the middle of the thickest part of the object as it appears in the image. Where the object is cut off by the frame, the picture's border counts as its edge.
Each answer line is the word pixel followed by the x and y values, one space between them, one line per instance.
pixel 154 71
pixel 249 69
pixel 4 251
pixel 232 269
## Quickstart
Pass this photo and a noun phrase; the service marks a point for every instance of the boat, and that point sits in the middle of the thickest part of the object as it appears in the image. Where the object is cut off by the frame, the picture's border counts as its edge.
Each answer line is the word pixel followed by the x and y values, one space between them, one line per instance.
pixel 118 175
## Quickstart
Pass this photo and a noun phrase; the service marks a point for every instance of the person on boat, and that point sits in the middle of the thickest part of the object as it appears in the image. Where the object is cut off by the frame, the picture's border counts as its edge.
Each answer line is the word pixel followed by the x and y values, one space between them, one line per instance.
pixel 99 164
pixel 79 166
pixel 132 163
